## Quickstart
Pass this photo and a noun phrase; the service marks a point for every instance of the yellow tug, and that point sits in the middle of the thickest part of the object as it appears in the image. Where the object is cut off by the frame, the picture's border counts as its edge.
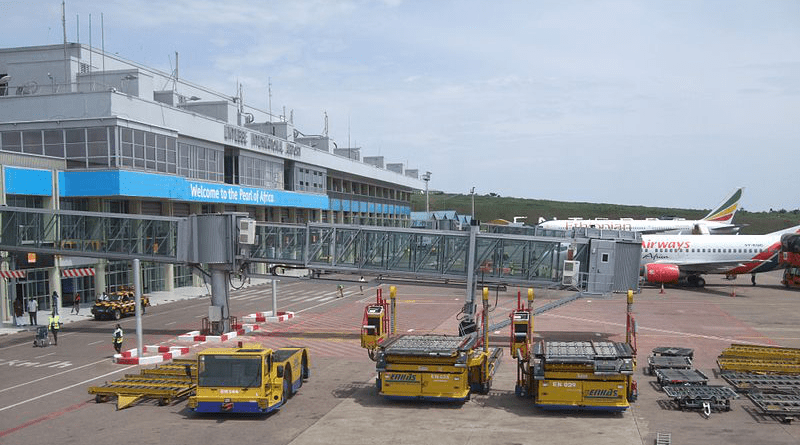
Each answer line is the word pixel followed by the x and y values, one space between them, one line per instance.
pixel 248 378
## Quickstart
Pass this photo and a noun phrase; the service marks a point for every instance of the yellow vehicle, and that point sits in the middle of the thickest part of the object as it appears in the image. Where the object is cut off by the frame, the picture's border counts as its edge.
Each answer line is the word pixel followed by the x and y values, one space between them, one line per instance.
pixel 427 367
pixel 247 379
pixel 119 304
pixel 587 375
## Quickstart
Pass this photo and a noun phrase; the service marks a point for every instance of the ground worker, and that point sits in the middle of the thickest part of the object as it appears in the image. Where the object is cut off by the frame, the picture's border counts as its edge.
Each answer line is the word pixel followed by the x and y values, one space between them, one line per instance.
pixel 118 339
pixel 340 289
pixel 361 282
pixel 54 326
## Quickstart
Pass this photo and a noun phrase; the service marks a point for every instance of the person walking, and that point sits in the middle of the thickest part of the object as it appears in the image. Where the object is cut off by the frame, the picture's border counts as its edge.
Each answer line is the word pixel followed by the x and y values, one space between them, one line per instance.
pixel 76 304
pixel 19 311
pixel 361 282
pixel 117 340
pixel 33 307
pixel 54 324
pixel 340 290
pixel 55 302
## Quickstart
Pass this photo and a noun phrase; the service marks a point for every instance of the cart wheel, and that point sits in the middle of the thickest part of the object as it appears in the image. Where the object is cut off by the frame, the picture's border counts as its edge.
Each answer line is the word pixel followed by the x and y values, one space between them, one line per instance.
pixel 99 398
pixel 163 401
pixel 116 314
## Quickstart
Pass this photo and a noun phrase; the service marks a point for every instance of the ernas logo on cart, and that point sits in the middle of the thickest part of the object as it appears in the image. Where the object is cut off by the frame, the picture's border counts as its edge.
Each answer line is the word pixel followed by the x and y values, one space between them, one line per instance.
pixel 601 393
pixel 401 378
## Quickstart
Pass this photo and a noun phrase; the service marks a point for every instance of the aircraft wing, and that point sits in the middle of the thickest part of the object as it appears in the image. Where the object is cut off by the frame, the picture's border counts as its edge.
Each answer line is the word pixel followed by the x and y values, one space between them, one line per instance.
pixel 711 266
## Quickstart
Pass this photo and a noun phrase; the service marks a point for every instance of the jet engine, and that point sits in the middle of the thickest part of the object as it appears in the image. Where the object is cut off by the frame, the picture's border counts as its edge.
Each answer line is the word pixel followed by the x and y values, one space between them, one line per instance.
pixel 661 273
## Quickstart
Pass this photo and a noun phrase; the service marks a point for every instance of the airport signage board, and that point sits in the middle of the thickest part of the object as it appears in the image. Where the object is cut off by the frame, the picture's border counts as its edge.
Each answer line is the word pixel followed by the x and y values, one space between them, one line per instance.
pixel 150 185
pixel 260 142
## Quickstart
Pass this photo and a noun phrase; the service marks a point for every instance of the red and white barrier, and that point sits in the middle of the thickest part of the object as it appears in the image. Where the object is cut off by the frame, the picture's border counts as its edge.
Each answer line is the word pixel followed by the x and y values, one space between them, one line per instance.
pixel 169 352
pixel 12 274
pixel 79 272
pixel 163 353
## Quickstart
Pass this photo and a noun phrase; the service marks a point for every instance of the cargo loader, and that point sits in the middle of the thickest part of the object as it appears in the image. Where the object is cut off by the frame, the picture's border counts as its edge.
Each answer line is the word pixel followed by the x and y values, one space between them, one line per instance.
pixel 442 368
pixel 585 375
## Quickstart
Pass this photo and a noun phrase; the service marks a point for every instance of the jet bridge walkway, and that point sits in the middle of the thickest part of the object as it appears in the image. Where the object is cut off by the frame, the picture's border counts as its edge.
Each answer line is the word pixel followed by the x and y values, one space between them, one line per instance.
pixel 534 259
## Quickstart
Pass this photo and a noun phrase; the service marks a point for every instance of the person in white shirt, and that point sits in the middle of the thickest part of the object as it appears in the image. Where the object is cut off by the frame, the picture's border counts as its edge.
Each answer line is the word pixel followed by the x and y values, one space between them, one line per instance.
pixel 33 307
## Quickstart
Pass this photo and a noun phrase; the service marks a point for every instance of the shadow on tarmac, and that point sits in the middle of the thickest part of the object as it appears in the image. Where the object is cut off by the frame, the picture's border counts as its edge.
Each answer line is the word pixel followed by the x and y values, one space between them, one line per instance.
pixel 366 395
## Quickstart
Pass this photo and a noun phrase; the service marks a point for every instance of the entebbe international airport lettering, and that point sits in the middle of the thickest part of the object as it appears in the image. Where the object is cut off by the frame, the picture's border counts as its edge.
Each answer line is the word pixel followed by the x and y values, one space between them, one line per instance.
pixel 260 141
pixel 231 194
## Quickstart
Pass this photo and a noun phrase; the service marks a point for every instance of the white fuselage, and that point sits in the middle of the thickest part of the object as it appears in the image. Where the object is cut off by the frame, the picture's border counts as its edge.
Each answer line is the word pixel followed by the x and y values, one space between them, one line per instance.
pixel 755 253
pixel 639 225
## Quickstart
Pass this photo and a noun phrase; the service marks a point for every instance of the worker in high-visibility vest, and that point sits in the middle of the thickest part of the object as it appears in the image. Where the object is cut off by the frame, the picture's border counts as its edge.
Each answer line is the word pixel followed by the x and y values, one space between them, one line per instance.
pixel 118 339
pixel 53 324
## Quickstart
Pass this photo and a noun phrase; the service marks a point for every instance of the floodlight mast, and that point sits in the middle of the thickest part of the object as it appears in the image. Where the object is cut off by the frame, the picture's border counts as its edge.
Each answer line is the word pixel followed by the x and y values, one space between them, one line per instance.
pixel 427 177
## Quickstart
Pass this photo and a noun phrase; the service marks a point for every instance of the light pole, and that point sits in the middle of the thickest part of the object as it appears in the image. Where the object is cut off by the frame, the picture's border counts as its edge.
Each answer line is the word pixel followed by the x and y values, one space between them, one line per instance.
pixel 427 177
pixel 472 192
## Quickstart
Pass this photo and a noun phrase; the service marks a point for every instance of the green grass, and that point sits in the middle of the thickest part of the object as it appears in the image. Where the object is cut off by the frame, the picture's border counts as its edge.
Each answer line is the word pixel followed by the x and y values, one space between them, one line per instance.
pixel 488 207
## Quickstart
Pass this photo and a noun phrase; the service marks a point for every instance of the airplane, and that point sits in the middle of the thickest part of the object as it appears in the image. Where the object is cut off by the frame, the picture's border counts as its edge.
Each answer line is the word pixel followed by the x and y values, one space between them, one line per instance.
pixel 671 258
pixel 718 221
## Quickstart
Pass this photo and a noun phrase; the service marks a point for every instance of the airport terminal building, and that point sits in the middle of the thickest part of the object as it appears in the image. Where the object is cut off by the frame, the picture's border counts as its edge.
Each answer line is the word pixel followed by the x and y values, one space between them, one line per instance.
pixel 84 130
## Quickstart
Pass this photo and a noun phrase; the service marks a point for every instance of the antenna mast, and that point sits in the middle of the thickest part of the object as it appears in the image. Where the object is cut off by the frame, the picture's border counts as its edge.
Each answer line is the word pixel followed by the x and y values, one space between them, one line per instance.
pixel 103 41
pixel 64 27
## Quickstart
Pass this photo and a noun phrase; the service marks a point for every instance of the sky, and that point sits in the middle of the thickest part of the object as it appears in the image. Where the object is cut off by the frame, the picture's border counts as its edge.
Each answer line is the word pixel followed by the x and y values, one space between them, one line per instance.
pixel 660 103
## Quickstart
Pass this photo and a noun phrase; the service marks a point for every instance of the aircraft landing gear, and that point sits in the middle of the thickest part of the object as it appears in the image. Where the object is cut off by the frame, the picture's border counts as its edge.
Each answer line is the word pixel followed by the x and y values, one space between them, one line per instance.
pixel 696 281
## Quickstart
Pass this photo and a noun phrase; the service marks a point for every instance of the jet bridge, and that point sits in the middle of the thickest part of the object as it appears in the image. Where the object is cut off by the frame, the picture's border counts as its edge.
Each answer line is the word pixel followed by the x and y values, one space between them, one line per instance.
pixel 602 261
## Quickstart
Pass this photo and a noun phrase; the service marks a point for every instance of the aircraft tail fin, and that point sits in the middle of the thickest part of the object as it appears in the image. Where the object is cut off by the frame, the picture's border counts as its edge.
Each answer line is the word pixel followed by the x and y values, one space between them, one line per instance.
pixel 725 211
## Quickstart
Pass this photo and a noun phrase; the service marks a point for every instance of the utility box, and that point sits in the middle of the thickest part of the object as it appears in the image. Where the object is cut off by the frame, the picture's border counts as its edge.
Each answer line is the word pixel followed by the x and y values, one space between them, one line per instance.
pixel 247 231
pixel 571 271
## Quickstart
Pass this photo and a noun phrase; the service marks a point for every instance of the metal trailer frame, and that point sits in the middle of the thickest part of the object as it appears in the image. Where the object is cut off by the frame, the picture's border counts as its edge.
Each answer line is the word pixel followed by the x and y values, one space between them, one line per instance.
pixel 779 366
pixel 673 376
pixel 166 383
pixel 763 383
pixel 705 397
pixel 656 362
pixel 785 407
pixel 674 351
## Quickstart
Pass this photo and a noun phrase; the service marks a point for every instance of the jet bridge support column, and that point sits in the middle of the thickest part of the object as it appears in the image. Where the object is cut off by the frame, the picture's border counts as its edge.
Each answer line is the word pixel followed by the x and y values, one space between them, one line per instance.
pixel 223 243
pixel 467 324
pixel 218 312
